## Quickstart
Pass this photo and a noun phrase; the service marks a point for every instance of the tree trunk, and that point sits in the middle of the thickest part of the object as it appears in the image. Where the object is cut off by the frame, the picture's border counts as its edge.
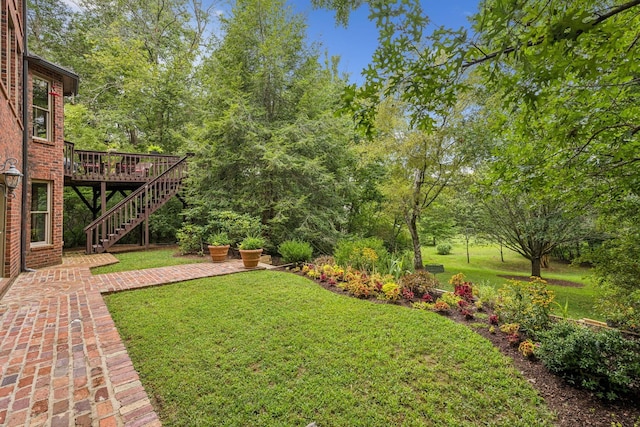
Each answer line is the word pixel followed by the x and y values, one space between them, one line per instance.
pixel 544 261
pixel 415 239
pixel 468 261
pixel 535 266
pixel 501 253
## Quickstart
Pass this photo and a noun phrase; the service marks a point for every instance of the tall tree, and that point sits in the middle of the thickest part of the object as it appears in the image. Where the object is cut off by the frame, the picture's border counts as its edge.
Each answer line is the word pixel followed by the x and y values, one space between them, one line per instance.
pixel 271 145
pixel 421 164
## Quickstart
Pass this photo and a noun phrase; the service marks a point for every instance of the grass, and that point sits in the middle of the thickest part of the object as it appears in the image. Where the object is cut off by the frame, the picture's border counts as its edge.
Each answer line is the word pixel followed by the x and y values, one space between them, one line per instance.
pixel 139 260
pixel 274 349
pixel 486 266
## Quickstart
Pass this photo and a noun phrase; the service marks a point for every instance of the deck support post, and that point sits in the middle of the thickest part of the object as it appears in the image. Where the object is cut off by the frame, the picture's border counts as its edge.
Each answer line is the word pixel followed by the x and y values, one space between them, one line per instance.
pixel 103 202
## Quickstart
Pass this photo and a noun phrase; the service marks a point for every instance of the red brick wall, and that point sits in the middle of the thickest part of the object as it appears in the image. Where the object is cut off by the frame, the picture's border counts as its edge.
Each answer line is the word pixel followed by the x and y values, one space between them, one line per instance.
pixel 46 164
pixel 11 146
pixel 11 128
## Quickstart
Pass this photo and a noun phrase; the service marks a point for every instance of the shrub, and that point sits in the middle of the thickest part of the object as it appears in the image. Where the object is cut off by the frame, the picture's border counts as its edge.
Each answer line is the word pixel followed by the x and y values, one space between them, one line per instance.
pixel 362 254
pixel 526 303
pixel 295 251
pixel 601 361
pixel 443 249
pixel 191 239
pixel 487 294
pixel 420 282
pixel 234 224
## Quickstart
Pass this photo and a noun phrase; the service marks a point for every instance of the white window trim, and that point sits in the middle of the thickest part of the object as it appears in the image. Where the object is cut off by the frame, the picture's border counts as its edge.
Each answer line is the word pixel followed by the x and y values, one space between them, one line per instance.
pixel 49 123
pixel 48 216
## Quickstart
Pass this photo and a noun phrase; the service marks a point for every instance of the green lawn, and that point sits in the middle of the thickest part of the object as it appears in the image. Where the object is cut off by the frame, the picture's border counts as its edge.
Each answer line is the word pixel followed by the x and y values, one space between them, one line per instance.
pixel 274 349
pixel 139 260
pixel 485 266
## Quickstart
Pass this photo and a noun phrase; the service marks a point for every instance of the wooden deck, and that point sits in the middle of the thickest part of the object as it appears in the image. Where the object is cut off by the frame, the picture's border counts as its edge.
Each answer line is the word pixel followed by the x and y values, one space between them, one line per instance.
pixel 116 169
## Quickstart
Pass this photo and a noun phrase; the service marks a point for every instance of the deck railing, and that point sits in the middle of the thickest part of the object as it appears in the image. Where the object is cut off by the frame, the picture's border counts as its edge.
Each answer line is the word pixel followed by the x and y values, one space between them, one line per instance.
pixel 135 208
pixel 87 165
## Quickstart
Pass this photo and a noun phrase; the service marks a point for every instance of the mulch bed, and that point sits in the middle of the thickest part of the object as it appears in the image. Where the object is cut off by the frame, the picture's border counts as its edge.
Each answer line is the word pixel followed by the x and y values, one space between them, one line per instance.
pixel 557 282
pixel 574 407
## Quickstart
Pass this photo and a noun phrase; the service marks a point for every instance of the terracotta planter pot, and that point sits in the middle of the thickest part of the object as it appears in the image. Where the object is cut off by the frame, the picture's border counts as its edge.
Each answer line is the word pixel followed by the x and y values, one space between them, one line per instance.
pixel 250 258
pixel 218 253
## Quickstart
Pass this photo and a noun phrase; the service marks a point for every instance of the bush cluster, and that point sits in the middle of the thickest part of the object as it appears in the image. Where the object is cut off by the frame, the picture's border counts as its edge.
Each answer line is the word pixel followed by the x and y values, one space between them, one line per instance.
pixel 295 251
pixel 419 283
pixel 601 361
pixel 527 304
pixel 362 254
pixel 443 249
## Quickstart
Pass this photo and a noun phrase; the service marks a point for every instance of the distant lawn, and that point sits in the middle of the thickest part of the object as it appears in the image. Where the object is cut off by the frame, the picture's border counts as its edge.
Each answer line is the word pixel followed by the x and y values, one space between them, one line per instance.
pixel 139 260
pixel 274 349
pixel 485 266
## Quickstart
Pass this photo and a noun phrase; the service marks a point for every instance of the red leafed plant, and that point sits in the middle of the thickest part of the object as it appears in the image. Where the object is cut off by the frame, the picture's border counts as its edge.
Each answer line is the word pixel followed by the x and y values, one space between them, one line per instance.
pixel 464 290
pixel 407 293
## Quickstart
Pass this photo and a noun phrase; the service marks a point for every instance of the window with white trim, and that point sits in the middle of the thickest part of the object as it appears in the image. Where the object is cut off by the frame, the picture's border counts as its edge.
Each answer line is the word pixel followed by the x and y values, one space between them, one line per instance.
pixel 40 213
pixel 41 102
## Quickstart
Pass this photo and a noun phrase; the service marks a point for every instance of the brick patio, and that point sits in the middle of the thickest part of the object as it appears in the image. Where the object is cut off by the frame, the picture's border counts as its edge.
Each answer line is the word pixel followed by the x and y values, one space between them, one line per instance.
pixel 63 362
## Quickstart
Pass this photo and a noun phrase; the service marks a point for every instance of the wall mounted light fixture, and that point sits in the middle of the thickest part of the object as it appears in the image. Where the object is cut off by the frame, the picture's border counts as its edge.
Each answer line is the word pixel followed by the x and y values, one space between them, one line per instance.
pixel 11 176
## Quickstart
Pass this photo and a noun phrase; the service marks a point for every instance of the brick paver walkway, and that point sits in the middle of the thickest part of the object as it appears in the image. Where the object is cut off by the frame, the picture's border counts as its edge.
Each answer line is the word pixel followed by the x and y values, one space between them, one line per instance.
pixel 62 360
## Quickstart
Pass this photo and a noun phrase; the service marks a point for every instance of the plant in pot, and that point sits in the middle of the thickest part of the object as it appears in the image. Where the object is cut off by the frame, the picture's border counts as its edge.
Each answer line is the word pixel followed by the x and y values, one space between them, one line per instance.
pixel 250 250
pixel 218 246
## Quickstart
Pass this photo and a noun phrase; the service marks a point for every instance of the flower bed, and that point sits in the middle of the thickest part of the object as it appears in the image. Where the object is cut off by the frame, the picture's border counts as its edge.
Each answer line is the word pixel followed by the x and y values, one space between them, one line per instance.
pixel 515 319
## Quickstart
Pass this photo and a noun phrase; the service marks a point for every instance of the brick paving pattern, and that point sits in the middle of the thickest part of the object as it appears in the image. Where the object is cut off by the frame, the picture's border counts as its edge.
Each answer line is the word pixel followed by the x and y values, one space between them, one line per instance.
pixel 62 361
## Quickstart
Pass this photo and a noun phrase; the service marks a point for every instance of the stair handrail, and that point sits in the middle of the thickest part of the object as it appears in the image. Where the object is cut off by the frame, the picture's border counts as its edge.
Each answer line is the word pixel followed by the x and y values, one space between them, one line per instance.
pixel 135 194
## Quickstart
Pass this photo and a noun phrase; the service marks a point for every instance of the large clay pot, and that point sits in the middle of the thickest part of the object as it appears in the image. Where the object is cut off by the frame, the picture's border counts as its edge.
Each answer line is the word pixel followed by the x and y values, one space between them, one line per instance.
pixel 218 253
pixel 250 258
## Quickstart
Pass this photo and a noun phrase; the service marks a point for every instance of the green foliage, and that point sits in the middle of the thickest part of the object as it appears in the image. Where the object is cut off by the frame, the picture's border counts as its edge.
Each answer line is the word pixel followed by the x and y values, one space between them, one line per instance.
pixel 202 218
pixel 601 361
pixel 395 264
pixel 443 249
pixel 616 264
pixel 450 299
pixel 268 142
pixel 219 239
pixel 526 303
pixel 390 291
pixel 252 243
pixel 191 239
pixel 295 251
pixel 236 225
pixel 487 294
pixel 362 254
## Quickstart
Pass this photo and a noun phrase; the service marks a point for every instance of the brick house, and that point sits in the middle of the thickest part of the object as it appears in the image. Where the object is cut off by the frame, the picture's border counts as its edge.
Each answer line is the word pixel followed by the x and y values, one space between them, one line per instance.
pixel 32 94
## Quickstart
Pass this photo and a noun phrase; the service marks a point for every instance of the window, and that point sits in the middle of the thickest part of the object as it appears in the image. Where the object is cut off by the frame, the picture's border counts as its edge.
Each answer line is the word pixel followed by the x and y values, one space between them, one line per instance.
pixel 4 47
pixel 40 213
pixel 41 100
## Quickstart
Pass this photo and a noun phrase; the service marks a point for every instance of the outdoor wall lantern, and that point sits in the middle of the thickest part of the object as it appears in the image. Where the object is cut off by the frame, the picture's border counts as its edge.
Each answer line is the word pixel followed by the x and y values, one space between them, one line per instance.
pixel 11 176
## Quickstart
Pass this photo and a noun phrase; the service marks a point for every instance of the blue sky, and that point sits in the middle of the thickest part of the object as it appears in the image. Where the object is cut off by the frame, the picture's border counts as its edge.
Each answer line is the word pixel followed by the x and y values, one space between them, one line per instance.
pixel 355 44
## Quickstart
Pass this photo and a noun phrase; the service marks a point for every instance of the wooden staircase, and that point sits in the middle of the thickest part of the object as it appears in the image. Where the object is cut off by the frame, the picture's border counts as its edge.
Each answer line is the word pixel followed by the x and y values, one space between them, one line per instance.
pixel 135 208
